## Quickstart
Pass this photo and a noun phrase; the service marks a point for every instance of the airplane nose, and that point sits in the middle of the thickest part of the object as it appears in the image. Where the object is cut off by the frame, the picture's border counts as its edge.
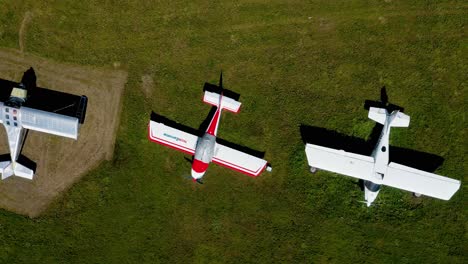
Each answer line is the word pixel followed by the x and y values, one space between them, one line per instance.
pixel 197 175
pixel 198 169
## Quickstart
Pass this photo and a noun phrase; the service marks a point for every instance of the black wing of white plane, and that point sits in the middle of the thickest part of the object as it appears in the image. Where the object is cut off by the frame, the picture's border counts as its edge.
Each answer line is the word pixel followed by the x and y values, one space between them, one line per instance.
pixel 24 106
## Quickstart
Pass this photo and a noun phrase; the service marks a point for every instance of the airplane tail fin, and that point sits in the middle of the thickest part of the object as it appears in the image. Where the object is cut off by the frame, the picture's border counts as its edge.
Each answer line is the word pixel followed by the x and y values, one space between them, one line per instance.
pixel 224 102
pixel 7 169
pixel 380 115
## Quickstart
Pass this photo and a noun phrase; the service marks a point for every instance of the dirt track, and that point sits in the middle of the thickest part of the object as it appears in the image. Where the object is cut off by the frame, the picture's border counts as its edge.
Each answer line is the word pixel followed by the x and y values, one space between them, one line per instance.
pixel 61 161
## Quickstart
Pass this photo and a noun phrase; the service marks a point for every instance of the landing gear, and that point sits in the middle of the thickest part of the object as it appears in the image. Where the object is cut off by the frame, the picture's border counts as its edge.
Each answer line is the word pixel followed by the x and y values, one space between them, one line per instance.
pixel 417 195
pixel 313 170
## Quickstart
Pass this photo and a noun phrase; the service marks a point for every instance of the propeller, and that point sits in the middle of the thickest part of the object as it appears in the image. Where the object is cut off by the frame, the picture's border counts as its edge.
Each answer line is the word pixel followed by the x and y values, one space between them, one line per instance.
pixel 221 80
pixel 374 204
pixel 194 180
pixel 198 181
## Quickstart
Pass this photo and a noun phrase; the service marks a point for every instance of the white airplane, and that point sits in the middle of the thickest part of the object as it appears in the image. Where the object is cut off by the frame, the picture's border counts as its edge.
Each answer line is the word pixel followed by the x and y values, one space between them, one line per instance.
pixel 17 119
pixel 205 149
pixel 376 170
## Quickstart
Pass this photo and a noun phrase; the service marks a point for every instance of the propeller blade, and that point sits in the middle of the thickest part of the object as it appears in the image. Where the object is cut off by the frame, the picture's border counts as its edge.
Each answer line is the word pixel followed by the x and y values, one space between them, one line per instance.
pixel 193 179
pixel 198 181
pixel 221 80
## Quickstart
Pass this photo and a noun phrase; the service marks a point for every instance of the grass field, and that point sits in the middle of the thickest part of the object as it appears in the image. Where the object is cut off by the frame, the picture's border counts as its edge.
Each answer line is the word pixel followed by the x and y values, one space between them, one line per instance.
pixel 293 63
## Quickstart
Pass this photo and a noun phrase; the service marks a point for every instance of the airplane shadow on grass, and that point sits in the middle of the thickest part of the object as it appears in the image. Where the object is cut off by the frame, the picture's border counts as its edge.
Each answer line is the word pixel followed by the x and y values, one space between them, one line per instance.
pixel 332 139
pixel 46 100
pixel 204 125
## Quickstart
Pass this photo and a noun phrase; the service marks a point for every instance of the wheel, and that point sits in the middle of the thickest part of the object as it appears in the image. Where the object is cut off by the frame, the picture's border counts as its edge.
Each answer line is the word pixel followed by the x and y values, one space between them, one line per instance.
pixel 313 170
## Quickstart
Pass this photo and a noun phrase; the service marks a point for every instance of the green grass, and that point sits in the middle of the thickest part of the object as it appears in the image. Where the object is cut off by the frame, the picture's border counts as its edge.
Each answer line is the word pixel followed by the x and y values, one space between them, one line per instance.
pixel 293 63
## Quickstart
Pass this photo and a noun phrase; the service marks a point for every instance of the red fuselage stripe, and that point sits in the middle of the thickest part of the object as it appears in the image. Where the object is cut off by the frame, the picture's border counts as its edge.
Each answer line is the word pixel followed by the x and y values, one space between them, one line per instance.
pixel 214 123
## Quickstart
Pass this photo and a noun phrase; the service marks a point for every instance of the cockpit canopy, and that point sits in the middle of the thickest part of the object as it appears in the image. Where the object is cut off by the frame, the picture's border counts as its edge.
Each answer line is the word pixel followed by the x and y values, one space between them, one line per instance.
pixel 205 148
pixel 373 187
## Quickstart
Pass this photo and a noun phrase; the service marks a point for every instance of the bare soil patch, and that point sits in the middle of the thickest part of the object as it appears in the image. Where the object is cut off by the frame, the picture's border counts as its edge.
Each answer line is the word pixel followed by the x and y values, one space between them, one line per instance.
pixel 61 161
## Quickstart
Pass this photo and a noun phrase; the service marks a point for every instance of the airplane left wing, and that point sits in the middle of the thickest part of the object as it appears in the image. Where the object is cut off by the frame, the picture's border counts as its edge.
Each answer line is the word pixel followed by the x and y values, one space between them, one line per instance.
pixel 413 180
pixel 49 122
pixel 171 137
pixel 238 161
pixel 340 161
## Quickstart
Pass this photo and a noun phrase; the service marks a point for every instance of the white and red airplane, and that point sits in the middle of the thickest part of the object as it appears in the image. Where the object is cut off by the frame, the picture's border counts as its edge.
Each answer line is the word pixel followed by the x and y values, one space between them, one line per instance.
pixel 205 149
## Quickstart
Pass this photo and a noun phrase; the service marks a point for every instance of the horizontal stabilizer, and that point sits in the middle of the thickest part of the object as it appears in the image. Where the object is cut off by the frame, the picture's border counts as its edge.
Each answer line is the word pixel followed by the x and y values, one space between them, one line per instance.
pixel 417 181
pixel 400 120
pixel 226 102
pixel 340 161
pixel 7 169
pixel 379 115
pixel 23 171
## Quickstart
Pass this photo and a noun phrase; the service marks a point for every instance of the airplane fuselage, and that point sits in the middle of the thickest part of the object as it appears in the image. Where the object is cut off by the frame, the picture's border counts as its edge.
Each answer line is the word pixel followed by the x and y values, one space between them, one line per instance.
pixel 15 132
pixel 10 115
pixel 381 159
pixel 205 147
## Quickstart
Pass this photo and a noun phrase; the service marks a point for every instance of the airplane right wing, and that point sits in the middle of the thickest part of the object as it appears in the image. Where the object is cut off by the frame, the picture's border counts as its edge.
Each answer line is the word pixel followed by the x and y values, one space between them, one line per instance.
pixel 340 161
pixel 48 122
pixel 417 181
pixel 238 161
pixel 171 137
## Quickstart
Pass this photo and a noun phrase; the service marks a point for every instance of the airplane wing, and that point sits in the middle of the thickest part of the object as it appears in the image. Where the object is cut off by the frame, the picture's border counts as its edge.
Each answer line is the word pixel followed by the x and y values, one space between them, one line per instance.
pixel 418 181
pixel 171 137
pixel 50 123
pixel 340 161
pixel 238 161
